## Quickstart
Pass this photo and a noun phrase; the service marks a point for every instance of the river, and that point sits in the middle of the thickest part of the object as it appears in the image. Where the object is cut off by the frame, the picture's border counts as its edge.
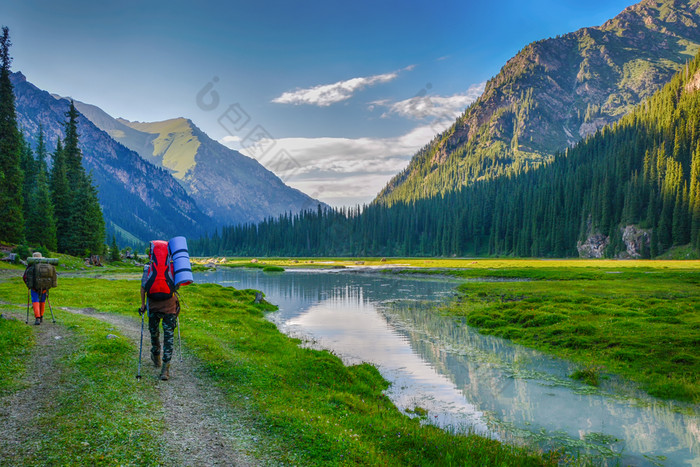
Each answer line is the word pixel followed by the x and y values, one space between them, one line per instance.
pixel 467 381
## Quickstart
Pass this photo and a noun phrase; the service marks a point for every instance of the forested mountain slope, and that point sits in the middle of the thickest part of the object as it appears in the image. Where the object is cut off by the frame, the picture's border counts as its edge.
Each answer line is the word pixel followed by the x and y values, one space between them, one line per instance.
pixel 140 202
pixel 634 188
pixel 553 93
pixel 227 185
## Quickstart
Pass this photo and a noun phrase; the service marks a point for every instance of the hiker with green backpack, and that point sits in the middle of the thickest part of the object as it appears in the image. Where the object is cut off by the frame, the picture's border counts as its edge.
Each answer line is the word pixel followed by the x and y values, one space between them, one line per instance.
pixel 39 277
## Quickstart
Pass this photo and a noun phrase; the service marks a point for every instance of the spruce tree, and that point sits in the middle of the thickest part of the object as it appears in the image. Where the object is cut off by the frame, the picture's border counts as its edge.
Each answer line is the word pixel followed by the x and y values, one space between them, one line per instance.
pixel 114 250
pixel 72 153
pixel 85 229
pixel 94 219
pixel 28 165
pixel 11 176
pixel 61 196
pixel 41 222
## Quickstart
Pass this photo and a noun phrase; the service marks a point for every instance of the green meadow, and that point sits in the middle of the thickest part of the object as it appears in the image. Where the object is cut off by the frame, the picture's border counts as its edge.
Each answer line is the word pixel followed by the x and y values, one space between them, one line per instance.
pixel 643 325
pixel 304 405
pixel 636 319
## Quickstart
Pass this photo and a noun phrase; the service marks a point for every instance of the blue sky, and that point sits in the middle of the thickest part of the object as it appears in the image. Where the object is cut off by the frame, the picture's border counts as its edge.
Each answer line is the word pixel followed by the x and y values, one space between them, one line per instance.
pixel 329 83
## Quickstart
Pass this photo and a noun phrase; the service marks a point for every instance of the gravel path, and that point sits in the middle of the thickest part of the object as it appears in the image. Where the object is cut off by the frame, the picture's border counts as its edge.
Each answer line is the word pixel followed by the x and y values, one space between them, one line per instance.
pixel 202 429
pixel 19 410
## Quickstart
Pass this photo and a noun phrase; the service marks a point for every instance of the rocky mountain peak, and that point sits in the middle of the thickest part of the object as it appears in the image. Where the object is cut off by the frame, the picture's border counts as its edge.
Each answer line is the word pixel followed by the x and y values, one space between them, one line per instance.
pixel 554 93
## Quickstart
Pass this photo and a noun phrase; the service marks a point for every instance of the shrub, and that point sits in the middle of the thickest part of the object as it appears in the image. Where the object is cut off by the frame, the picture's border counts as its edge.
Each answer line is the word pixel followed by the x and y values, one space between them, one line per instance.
pixel 22 252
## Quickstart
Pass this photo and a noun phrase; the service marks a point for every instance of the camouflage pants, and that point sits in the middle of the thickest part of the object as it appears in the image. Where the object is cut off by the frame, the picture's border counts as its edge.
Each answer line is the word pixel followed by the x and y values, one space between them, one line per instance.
pixel 169 325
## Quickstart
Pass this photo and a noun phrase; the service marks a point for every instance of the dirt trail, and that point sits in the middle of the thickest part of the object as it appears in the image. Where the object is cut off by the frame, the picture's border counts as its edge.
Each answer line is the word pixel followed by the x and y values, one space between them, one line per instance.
pixel 201 430
pixel 19 411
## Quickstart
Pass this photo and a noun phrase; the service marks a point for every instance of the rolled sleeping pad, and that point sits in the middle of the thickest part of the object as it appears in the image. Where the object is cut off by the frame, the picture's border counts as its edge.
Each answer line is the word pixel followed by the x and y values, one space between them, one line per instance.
pixel 33 260
pixel 181 261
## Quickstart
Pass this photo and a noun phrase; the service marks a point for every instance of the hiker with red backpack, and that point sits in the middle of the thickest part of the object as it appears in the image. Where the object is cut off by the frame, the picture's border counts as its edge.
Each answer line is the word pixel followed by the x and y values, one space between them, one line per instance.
pixel 159 284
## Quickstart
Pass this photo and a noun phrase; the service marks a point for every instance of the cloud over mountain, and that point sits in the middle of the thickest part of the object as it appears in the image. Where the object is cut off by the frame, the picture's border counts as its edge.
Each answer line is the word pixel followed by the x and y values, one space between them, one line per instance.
pixel 344 171
pixel 432 106
pixel 324 95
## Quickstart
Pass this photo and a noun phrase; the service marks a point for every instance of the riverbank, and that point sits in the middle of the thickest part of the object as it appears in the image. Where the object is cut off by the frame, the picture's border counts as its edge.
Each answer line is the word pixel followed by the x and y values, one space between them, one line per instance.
pixel 297 405
pixel 642 323
pixel 639 319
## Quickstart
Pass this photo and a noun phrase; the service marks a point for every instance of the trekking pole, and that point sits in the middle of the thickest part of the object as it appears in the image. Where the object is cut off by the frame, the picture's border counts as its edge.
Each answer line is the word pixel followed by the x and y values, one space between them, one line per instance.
pixel 50 309
pixel 179 339
pixel 138 374
pixel 29 299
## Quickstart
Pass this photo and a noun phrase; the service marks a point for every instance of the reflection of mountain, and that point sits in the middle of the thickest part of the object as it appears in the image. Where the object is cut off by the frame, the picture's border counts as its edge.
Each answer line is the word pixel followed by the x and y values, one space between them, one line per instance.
pixel 295 291
pixel 530 390
pixel 523 390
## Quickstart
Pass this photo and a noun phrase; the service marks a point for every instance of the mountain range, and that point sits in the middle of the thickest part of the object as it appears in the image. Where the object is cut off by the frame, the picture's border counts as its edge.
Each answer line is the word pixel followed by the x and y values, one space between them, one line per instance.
pixel 227 185
pixel 552 94
pixel 139 201
pixel 185 183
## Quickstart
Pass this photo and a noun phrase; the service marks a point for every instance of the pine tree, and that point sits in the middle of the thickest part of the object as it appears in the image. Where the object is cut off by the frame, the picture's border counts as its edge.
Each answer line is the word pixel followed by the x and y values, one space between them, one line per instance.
pixel 28 165
pixel 86 235
pixel 73 155
pixel 694 203
pixel 114 250
pixel 41 222
pixel 85 229
pixel 61 196
pixel 94 220
pixel 11 176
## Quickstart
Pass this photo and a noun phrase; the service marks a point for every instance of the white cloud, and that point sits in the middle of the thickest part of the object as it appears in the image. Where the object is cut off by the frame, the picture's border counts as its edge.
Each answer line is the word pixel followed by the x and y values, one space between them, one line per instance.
pixel 326 94
pixel 230 140
pixel 346 171
pixel 432 106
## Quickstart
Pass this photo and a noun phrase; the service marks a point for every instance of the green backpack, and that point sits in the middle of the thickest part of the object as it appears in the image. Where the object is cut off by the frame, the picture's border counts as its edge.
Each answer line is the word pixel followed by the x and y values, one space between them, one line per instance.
pixel 40 276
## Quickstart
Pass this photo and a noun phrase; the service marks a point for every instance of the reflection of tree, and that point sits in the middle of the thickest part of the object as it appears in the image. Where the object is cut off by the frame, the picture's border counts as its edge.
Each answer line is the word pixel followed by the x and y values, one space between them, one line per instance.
pixel 529 390
pixel 516 384
pixel 295 292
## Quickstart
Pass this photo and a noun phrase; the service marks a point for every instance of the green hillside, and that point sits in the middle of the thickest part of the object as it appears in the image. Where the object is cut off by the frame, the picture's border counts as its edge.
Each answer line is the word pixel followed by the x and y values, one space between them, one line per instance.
pixel 174 147
pixel 553 93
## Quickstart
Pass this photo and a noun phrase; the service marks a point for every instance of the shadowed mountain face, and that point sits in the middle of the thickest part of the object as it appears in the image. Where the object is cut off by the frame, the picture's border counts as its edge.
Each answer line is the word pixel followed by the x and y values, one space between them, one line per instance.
pixel 552 94
pixel 140 202
pixel 230 187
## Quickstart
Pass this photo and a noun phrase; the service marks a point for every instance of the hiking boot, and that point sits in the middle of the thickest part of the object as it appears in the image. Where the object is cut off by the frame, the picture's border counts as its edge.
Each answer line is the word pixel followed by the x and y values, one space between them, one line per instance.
pixel 41 319
pixel 37 321
pixel 165 371
pixel 155 357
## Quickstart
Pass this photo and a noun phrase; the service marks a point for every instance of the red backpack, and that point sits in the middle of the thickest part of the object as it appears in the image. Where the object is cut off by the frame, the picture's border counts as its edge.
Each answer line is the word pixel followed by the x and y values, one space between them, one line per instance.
pixel 159 278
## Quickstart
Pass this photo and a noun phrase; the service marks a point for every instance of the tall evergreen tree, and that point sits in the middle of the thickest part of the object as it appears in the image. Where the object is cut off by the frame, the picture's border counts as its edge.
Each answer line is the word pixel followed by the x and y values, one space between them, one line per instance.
pixel 72 153
pixel 41 222
pixel 61 197
pixel 28 165
pixel 114 250
pixel 11 176
pixel 85 232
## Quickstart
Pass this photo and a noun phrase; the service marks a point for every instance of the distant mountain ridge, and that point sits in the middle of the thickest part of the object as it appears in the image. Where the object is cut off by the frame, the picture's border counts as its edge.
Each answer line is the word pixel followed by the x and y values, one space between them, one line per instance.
pixel 227 185
pixel 140 202
pixel 553 93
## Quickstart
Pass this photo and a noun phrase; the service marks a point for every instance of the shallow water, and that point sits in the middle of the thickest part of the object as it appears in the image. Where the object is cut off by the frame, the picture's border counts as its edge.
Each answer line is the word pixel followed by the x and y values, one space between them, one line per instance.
pixel 465 380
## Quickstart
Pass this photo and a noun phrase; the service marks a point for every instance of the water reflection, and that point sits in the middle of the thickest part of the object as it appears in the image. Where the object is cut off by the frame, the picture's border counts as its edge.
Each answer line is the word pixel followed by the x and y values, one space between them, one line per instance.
pixel 468 381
